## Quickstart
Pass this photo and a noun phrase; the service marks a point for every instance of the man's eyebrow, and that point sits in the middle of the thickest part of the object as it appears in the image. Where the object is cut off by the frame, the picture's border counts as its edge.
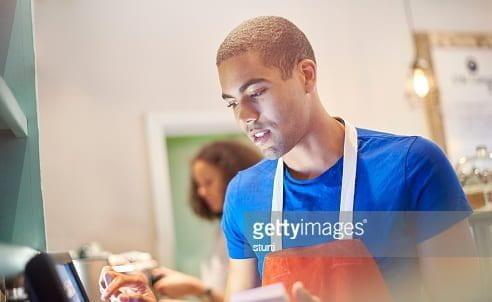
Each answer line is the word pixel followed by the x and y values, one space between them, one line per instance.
pixel 245 86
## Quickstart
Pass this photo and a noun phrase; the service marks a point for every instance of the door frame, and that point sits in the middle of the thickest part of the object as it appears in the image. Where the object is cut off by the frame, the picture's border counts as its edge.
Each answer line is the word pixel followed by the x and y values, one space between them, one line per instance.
pixel 158 126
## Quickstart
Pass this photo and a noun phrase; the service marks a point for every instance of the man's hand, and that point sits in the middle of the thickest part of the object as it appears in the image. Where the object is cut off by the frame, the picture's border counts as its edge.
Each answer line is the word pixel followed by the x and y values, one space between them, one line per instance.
pixel 124 288
pixel 176 284
pixel 301 294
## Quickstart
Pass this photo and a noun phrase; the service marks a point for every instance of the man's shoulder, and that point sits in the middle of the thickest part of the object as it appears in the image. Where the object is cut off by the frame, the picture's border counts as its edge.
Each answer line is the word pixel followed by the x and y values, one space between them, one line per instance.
pixel 410 148
pixel 369 134
pixel 263 169
pixel 249 188
pixel 384 143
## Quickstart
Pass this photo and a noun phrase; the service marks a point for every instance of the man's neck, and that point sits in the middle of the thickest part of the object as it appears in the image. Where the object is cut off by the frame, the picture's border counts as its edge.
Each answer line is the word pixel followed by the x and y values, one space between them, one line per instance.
pixel 319 149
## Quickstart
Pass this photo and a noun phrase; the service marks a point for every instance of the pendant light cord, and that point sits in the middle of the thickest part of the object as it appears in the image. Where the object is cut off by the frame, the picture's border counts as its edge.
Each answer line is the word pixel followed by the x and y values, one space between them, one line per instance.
pixel 408 16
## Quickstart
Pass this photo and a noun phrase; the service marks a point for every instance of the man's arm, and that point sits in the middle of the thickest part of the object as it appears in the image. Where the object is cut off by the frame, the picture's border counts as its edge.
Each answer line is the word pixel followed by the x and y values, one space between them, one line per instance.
pixel 449 265
pixel 242 275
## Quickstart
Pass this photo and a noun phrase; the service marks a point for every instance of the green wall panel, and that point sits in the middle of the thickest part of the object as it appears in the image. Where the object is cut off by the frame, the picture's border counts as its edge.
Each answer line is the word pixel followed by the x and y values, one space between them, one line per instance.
pixel 193 235
pixel 21 205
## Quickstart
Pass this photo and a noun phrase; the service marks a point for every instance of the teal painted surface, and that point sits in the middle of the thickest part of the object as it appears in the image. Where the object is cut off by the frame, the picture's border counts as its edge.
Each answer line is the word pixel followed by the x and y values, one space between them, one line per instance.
pixel 193 235
pixel 11 115
pixel 21 205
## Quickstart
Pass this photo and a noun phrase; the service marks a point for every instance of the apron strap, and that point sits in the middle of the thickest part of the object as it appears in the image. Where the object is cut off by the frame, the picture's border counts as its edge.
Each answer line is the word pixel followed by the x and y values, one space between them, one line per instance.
pixel 277 204
pixel 350 147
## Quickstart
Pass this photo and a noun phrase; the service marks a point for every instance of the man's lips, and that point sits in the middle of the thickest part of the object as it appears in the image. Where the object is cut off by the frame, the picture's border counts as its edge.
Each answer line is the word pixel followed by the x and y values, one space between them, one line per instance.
pixel 260 137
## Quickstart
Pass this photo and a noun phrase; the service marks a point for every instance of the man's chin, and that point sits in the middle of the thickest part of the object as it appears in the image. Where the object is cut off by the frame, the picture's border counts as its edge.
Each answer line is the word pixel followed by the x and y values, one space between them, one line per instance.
pixel 271 153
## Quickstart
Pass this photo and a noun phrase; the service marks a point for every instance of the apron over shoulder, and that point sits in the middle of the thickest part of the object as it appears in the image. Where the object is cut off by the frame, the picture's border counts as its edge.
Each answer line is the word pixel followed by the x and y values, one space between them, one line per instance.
pixel 341 270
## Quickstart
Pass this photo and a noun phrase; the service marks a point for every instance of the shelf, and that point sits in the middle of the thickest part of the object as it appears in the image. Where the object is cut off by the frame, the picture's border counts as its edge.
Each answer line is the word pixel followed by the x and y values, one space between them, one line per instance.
pixel 11 115
pixel 474 189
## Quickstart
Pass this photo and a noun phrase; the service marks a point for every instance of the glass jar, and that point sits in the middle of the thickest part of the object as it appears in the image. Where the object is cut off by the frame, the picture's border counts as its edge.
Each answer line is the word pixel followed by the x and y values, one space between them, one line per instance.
pixel 475 175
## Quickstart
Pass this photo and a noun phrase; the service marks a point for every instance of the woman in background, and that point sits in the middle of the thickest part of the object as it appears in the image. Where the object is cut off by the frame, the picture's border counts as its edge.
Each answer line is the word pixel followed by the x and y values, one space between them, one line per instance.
pixel 211 170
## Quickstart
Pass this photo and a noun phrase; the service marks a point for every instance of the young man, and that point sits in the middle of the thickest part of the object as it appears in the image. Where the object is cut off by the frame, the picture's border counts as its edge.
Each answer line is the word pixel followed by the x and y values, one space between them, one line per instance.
pixel 267 72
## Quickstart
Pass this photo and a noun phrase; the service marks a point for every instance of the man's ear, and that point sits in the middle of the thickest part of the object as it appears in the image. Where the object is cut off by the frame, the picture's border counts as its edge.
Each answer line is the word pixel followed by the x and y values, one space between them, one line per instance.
pixel 307 69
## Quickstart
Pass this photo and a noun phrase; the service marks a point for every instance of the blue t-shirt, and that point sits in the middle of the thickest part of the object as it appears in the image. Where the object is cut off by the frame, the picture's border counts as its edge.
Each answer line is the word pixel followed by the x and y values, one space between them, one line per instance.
pixel 397 174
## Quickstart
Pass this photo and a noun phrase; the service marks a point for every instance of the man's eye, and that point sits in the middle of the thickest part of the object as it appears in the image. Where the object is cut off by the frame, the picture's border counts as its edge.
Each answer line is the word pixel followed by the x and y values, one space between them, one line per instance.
pixel 257 93
pixel 231 103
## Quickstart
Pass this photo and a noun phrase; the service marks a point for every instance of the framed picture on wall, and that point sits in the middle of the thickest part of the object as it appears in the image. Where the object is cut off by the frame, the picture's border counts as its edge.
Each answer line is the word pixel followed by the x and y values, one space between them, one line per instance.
pixel 459 108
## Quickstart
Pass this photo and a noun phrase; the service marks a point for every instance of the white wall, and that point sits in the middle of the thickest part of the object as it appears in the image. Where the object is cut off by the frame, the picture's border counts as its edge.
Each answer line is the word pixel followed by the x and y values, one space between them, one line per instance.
pixel 103 64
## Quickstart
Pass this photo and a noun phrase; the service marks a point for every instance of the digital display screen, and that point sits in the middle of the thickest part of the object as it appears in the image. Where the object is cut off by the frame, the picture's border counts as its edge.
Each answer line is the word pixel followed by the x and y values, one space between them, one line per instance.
pixel 72 289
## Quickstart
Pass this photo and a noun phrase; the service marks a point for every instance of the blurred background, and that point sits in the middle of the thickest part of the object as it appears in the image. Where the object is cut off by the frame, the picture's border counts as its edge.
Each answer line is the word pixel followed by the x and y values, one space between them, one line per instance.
pixel 112 88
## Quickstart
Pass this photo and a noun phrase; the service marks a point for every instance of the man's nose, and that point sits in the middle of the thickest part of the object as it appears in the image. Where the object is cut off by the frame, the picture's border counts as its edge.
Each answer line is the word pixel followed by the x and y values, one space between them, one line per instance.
pixel 246 112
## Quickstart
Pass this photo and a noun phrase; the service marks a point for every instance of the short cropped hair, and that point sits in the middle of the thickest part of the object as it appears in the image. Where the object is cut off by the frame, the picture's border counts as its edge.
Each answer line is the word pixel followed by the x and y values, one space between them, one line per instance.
pixel 279 42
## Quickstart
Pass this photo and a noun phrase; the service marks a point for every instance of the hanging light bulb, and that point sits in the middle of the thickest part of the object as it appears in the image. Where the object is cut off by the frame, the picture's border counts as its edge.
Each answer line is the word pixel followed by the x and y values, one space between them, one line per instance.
pixel 420 81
